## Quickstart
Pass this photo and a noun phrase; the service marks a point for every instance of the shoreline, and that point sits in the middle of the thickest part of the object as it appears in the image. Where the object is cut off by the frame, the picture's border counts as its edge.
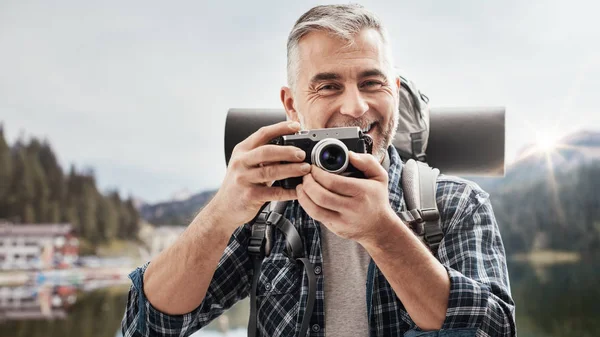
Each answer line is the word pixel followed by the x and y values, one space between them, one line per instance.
pixel 547 257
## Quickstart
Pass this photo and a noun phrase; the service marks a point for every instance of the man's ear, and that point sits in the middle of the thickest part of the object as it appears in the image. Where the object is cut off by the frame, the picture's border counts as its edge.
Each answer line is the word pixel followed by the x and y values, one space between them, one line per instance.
pixel 287 99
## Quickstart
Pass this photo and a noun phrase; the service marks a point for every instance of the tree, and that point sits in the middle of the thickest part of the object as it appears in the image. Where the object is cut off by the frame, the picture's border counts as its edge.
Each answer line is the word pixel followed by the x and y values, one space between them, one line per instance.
pixel 69 210
pixel 6 170
pixel 134 219
pixel 55 180
pixel 22 189
pixel 108 219
pixel 88 216
pixel 41 191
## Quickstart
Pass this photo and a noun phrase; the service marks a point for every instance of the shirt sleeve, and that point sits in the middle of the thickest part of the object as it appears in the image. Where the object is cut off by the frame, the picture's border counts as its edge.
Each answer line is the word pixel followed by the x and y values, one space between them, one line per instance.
pixel 473 254
pixel 230 283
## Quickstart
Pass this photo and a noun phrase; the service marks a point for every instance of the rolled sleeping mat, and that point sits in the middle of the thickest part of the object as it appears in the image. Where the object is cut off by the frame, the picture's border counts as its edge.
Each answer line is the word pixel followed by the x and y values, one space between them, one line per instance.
pixel 467 141
pixel 462 141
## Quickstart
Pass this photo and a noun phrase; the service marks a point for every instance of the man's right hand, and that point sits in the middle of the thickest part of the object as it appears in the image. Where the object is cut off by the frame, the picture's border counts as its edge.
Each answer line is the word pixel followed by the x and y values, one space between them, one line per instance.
pixel 253 167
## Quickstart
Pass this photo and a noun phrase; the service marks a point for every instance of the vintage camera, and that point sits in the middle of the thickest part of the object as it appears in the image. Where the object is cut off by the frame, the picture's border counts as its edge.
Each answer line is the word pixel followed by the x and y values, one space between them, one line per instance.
pixel 328 150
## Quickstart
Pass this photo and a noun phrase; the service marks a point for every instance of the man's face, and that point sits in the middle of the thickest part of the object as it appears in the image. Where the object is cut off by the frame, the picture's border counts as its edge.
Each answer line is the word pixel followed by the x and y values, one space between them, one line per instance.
pixel 340 85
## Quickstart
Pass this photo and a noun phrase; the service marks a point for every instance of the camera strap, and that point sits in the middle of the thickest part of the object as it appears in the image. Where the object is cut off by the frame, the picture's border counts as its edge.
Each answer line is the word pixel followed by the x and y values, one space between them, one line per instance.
pixel 259 247
pixel 419 185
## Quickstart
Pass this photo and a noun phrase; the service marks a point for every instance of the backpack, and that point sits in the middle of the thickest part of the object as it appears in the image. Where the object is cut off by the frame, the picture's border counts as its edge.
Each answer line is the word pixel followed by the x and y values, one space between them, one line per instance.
pixel 413 129
pixel 419 185
pixel 419 180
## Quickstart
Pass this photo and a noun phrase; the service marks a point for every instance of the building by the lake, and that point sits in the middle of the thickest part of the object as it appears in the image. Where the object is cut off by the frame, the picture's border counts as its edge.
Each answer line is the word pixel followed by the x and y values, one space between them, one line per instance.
pixel 37 246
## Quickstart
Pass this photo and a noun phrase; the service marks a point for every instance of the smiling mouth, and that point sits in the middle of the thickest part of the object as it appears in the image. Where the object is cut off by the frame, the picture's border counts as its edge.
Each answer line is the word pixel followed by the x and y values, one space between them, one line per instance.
pixel 368 128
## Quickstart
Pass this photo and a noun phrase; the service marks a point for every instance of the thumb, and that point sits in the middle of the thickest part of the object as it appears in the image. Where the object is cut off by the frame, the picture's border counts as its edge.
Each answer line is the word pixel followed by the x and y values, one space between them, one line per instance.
pixel 368 164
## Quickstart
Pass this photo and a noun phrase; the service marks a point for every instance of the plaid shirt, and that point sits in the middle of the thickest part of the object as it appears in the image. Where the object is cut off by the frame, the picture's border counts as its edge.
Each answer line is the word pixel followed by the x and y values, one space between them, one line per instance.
pixel 480 302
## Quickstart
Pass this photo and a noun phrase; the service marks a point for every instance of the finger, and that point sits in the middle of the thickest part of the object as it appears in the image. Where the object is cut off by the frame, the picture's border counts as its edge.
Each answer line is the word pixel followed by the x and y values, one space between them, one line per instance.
pixel 273 153
pixel 270 173
pixel 323 197
pixel 368 165
pixel 346 186
pixel 264 194
pixel 266 133
pixel 312 209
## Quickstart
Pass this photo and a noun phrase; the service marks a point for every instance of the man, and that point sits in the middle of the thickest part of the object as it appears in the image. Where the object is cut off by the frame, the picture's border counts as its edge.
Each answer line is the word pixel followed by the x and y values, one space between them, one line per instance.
pixel 374 276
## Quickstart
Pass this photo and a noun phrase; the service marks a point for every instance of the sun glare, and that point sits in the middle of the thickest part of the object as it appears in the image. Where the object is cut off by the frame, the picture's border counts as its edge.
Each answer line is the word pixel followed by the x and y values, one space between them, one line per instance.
pixel 546 142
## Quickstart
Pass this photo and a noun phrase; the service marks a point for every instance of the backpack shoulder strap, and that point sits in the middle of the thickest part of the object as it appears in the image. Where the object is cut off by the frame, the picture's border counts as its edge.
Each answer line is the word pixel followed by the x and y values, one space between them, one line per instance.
pixel 419 186
pixel 271 217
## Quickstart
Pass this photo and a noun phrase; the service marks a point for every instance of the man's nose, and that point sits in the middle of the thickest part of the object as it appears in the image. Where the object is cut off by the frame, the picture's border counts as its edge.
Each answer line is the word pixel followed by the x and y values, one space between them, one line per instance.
pixel 353 103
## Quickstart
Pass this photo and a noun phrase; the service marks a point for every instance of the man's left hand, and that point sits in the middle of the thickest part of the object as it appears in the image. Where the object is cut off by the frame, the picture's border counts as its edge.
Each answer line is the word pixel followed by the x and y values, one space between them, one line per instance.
pixel 353 208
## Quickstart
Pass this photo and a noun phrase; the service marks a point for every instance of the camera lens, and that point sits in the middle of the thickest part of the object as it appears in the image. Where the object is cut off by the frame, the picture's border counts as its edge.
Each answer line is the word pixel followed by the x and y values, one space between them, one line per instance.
pixel 331 155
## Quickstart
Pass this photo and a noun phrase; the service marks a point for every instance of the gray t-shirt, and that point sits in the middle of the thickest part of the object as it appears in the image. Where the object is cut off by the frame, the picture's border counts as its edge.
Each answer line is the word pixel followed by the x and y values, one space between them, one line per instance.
pixel 345 264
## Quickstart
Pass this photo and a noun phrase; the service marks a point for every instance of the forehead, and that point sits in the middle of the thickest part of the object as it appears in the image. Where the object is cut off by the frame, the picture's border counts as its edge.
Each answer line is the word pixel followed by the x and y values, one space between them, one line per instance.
pixel 322 52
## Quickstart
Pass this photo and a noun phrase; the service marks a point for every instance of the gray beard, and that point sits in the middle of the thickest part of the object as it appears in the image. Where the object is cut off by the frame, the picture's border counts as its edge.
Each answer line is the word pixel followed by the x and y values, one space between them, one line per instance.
pixel 387 135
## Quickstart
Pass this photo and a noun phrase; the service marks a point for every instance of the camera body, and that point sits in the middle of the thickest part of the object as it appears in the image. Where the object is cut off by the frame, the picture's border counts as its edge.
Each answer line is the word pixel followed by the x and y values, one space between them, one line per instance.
pixel 327 149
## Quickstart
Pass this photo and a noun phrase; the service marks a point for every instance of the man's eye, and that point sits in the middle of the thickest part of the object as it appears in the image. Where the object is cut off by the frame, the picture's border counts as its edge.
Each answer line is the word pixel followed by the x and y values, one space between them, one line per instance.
pixel 372 84
pixel 328 87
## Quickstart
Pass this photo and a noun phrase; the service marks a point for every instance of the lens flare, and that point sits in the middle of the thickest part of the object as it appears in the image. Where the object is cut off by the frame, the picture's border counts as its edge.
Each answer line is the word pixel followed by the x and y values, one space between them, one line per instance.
pixel 546 142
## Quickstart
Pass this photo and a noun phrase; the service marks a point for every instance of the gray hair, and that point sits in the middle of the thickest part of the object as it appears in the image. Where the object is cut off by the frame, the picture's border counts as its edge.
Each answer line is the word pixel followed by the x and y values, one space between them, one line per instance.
pixel 342 21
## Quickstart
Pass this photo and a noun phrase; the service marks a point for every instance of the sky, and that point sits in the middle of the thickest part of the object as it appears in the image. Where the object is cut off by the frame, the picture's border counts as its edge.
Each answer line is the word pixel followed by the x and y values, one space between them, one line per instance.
pixel 139 90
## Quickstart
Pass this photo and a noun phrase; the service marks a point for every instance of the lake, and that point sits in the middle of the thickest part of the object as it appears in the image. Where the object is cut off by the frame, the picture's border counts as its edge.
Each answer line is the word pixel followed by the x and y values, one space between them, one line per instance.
pixel 552 300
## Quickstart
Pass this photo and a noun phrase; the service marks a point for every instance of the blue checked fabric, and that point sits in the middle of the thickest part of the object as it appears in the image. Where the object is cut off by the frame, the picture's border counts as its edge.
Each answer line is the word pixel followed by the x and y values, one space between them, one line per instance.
pixel 472 251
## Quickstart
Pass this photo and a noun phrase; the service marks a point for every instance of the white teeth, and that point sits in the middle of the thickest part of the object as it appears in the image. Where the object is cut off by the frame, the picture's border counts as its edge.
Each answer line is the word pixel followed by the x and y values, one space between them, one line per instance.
pixel 367 129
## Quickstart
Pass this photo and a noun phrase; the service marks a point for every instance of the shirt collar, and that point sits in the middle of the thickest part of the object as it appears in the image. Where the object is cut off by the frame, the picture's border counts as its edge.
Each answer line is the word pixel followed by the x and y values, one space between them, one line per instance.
pixel 386 161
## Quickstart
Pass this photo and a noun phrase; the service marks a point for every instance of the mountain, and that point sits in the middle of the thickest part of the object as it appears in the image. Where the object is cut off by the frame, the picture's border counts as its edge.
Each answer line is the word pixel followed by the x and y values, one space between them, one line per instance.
pixel 176 212
pixel 181 195
pixel 570 152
